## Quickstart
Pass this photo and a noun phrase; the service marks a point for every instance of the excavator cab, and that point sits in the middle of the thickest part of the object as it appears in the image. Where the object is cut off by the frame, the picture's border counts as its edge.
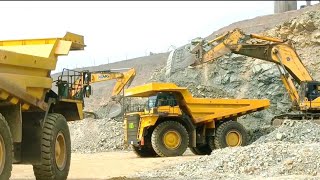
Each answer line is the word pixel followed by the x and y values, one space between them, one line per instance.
pixel 312 90
pixel 70 85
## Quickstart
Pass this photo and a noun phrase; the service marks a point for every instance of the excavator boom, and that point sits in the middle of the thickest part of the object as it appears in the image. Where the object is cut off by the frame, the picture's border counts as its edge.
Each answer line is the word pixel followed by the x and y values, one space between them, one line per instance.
pixel 125 80
pixel 78 83
pixel 274 50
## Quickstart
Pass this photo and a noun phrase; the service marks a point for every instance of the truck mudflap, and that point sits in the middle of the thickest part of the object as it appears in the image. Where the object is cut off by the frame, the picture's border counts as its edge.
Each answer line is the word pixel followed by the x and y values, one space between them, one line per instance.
pixel 132 128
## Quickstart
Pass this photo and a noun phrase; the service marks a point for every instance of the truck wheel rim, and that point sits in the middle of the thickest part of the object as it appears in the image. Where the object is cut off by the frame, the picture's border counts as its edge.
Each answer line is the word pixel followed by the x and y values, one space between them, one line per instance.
pixel 233 138
pixel 172 140
pixel 60 151
pixel 2 154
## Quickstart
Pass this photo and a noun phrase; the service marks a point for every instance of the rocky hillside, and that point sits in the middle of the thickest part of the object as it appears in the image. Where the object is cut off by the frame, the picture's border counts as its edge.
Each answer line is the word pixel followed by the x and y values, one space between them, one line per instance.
pixel 232 76
pixel 237 76
pixel 262 23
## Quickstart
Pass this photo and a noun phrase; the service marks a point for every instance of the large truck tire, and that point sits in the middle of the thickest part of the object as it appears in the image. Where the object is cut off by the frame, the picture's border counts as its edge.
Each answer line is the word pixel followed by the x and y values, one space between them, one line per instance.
pixel 144 151
pixel 211 142
pixel 5 149
pixel 170 138
pixel 56 149
pixel 201 150
pixel 230 134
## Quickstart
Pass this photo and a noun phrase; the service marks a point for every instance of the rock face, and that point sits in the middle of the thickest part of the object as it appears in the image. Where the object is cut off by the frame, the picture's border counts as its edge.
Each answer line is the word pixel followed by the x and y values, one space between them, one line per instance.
pixel 294 152
pixel 237 76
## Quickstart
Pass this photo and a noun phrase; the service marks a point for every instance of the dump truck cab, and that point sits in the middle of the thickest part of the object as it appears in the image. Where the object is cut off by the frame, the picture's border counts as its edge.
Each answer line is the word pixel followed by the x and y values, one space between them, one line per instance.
pixel 174 120
pixel 163 102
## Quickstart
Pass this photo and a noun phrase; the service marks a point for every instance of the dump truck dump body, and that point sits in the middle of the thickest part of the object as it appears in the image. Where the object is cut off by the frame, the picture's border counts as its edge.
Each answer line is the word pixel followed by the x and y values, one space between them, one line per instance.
pixel 25 67
pixel 174 120
pixel 33 118
pixel 201 109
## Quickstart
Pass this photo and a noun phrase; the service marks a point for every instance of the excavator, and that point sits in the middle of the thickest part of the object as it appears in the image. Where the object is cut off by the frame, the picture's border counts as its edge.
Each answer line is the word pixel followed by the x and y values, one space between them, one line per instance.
pixel 303 90
pixel 77 84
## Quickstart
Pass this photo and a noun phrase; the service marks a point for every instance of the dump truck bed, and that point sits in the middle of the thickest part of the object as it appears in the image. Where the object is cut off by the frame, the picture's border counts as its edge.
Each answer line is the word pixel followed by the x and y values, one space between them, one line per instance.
pixel 201 109
pixel 25 67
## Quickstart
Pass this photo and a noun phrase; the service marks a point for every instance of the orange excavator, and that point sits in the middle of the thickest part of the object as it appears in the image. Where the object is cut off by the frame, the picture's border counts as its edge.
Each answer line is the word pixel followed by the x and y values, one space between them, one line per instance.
pixel 77 84
pixel 293 73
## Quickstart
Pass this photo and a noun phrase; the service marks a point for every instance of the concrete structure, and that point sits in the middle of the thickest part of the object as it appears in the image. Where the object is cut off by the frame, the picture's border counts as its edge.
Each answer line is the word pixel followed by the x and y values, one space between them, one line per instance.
pixel 309 3
pixel 283 6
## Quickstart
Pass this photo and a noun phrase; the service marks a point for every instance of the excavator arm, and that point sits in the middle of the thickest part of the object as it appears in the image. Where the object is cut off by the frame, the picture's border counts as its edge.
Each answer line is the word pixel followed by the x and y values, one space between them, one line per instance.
pixel 84 79
pixel 123 78
pixel 272 50
pixel 269 49
pixel 77 84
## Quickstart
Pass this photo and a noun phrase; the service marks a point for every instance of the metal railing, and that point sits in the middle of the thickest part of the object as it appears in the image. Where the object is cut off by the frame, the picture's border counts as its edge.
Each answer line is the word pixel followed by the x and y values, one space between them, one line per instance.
pixel 70 84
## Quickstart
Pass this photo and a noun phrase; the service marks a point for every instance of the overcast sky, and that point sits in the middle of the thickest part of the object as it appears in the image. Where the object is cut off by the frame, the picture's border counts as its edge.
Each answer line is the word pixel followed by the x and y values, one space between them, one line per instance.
pixel 117 31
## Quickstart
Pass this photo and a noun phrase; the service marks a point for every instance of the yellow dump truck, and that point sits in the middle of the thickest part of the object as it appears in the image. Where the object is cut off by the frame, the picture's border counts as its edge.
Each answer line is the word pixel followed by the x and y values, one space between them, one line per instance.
pixel 33 119
pixel 174 120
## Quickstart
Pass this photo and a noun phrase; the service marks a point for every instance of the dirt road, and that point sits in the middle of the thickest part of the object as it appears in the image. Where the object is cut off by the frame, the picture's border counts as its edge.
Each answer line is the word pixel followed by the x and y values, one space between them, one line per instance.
pixel 105 165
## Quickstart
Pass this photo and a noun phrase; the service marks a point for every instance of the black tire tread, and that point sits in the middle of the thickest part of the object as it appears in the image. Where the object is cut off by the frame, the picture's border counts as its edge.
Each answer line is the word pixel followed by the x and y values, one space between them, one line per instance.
pixel 144 151
pixel 8 175
pixel 220 136
pixel 155 136
pixel 211 142
pixel 193 150
pixel 202 150
pixel 45 170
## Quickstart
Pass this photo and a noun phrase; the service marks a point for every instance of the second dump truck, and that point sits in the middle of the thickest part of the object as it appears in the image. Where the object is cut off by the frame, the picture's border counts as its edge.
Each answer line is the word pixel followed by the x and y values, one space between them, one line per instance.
pixel 33 118
pixel 174 120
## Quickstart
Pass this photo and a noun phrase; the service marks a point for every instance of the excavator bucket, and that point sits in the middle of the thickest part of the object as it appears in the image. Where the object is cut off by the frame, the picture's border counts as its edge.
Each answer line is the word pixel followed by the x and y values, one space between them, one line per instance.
pixel 113 108
pixel 110 110
pixel 179 59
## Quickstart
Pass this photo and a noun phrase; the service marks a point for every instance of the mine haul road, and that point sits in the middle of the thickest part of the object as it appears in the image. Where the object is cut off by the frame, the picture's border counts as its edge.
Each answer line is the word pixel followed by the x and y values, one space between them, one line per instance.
pixel 105 165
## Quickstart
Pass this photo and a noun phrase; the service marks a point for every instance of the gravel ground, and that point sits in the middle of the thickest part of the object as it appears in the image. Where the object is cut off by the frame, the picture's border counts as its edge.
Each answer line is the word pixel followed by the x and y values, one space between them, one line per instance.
pixel 267 157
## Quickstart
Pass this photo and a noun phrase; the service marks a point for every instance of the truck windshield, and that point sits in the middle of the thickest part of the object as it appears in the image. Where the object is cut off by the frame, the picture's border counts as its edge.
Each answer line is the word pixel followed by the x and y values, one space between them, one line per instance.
pixel 152 101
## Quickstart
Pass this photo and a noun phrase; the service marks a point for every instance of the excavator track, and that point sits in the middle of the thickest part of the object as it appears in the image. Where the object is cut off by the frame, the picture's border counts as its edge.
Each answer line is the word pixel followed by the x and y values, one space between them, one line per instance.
pixel 278 120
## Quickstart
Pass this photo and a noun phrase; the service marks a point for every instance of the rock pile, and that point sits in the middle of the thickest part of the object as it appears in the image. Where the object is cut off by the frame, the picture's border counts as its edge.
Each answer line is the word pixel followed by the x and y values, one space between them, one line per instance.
pixel 96 135
pixel 293 131
pixel 265 160
pixel 267 157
